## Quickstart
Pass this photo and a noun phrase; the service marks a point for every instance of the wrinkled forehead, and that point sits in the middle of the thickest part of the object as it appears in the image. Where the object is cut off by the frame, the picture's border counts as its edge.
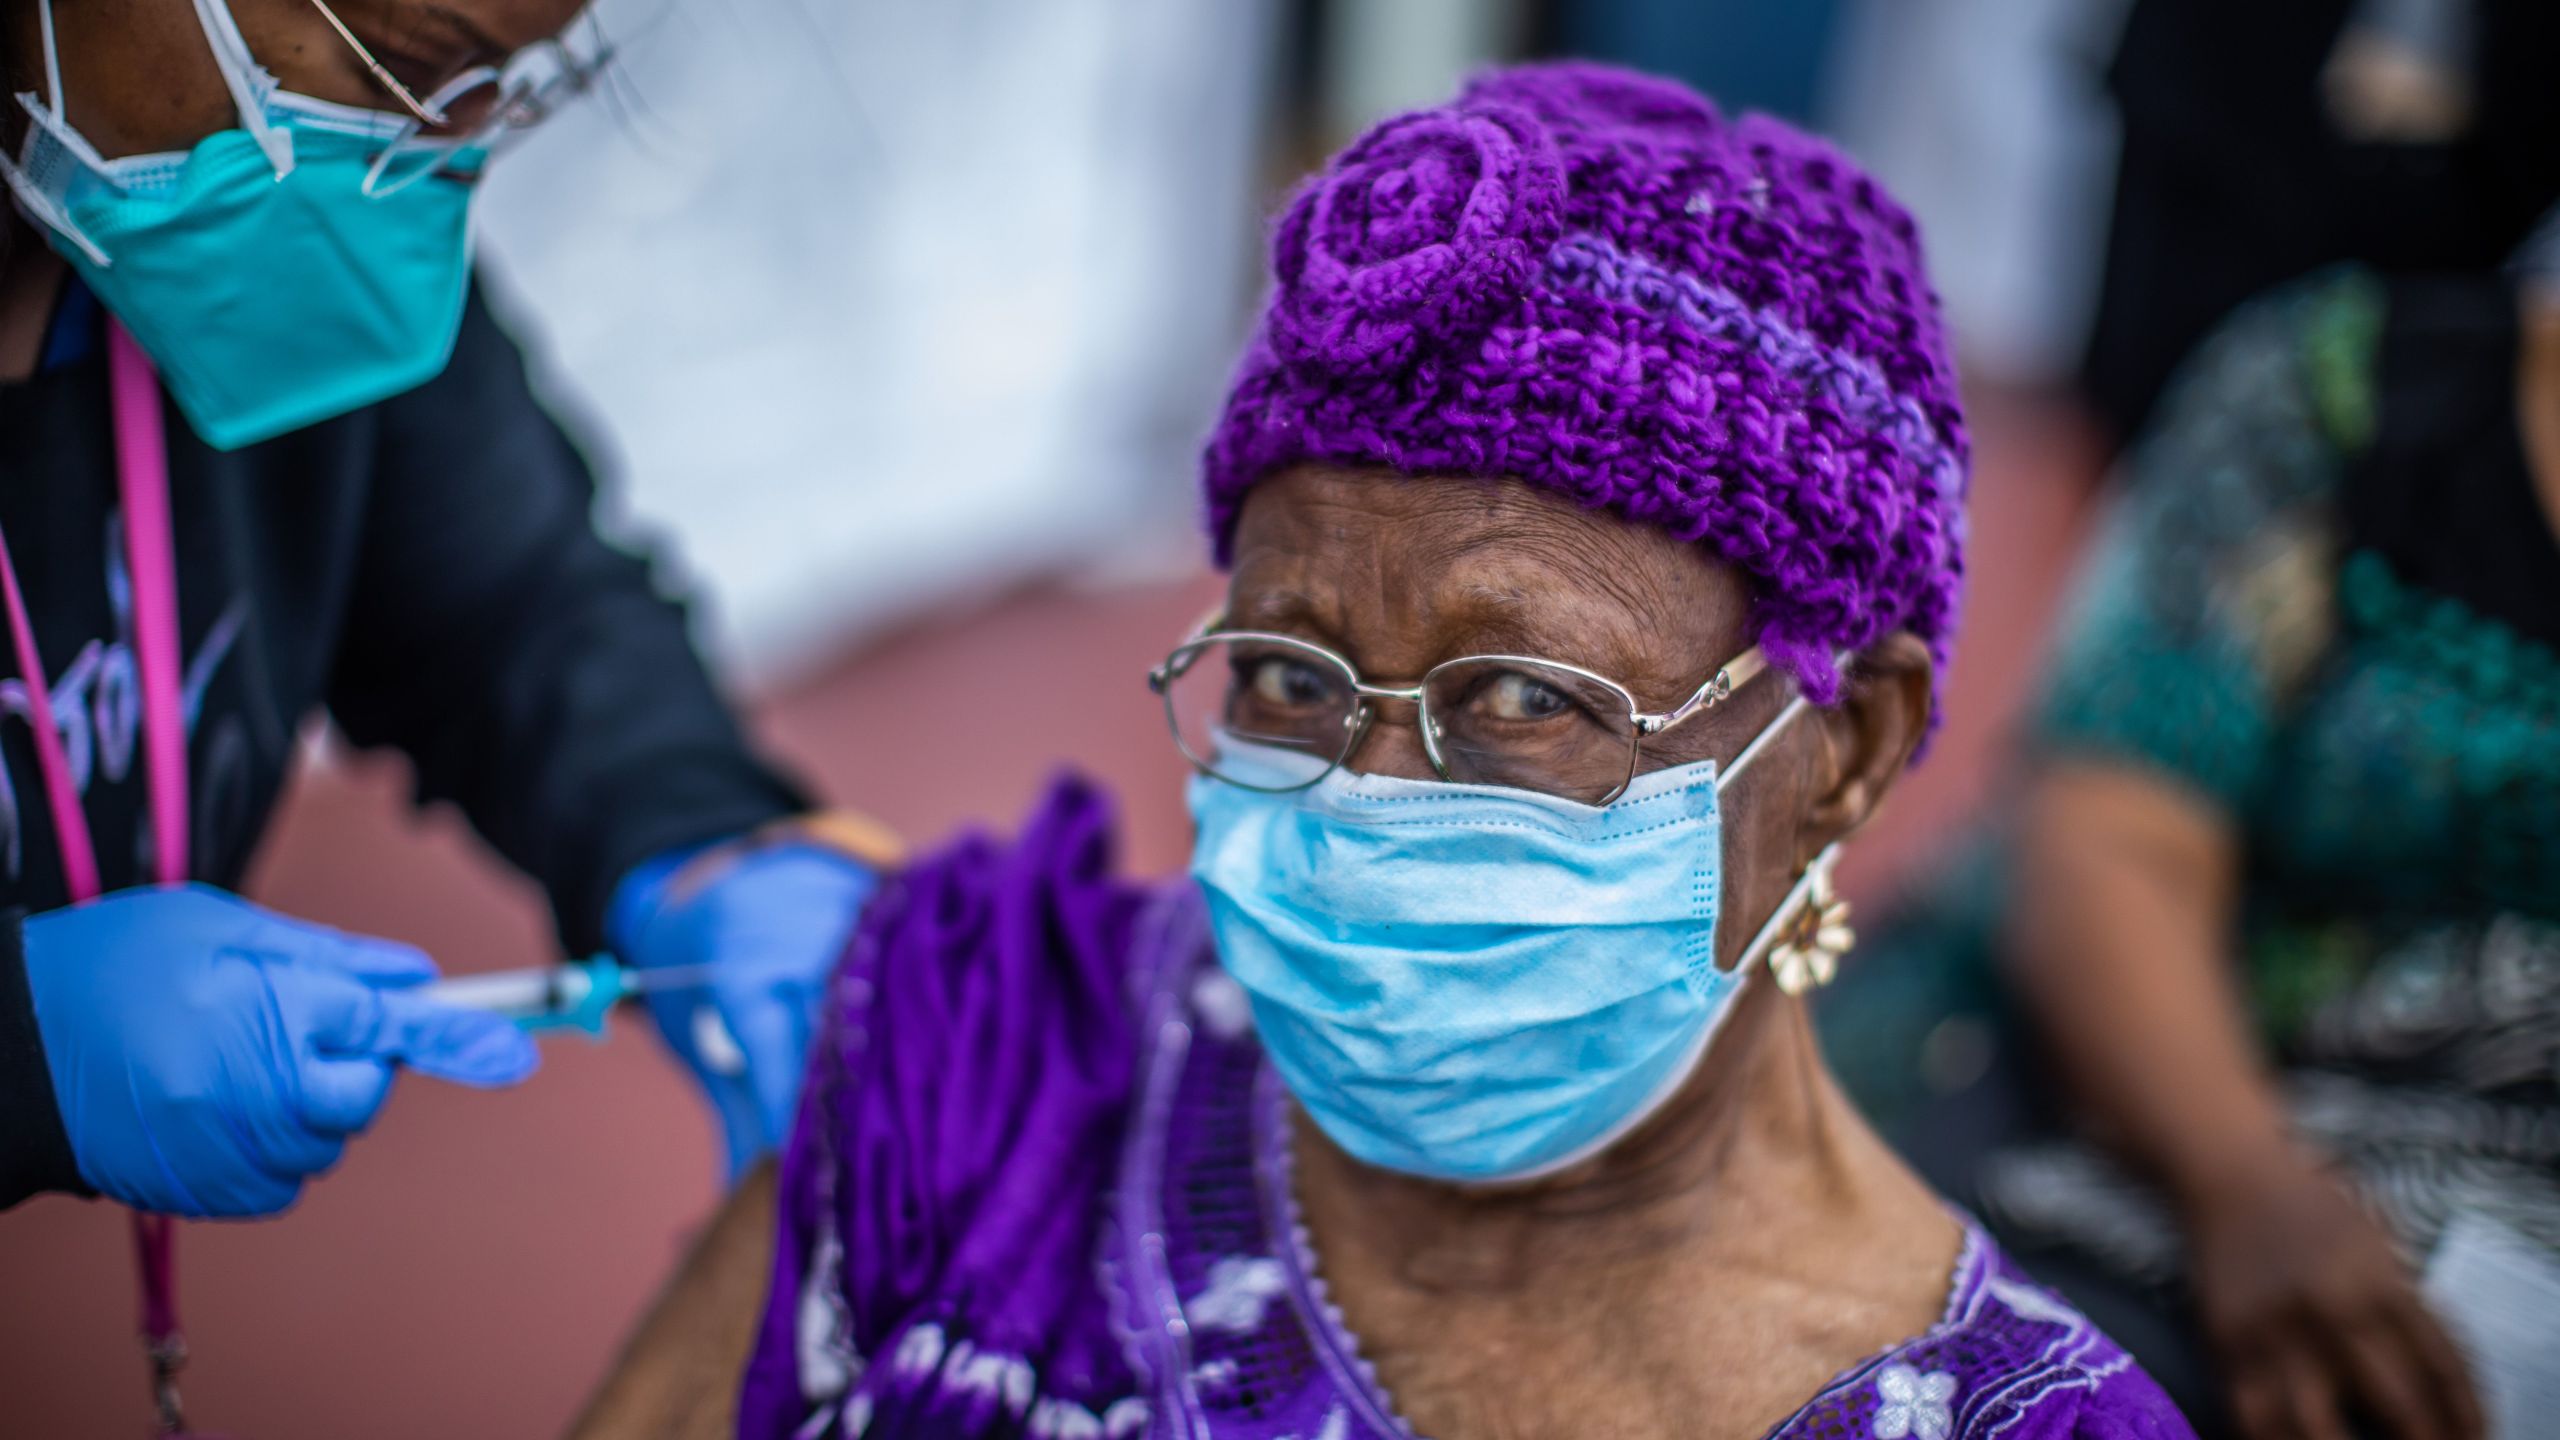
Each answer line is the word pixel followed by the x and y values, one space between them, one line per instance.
pixel 1401 572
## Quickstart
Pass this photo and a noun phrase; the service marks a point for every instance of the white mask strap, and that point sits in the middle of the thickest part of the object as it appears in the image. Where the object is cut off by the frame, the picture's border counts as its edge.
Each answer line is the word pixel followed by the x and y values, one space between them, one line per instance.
pixel 40 208
pixel 52 57
pixel 1759 743
pixel 1794 901
pixel 1817 873
pixel 48 118
pixel 231 56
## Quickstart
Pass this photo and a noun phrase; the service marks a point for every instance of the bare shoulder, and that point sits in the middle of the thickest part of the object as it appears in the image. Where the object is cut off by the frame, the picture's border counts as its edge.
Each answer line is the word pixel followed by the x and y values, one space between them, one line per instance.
pixel 677 1378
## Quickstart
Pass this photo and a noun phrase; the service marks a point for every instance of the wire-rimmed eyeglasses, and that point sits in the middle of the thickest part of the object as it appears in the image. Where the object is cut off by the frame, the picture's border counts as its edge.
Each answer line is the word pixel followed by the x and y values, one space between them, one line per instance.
pixel 1518 721
pixel 478 111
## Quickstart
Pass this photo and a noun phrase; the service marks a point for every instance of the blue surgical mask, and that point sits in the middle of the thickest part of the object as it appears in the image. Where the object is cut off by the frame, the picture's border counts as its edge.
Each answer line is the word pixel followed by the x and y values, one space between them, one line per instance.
pixel 1470 983
pixel 311 262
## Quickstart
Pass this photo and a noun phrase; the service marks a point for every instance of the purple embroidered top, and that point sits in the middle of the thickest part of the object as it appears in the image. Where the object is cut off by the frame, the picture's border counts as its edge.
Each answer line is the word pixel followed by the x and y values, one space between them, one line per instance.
pixel 1040 1187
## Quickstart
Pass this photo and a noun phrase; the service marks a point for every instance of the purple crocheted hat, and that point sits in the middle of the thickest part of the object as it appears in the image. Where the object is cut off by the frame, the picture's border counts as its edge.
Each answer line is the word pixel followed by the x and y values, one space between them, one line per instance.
pixel 1590 280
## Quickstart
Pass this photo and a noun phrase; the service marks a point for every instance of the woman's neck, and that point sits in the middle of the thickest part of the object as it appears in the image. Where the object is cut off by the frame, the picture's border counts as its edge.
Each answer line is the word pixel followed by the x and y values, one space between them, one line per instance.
pixel 1756 1216
pixel 1759 1142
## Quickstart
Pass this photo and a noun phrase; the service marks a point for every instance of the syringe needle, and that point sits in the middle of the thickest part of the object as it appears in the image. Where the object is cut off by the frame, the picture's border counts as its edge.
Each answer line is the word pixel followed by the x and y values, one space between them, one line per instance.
pixel 673 977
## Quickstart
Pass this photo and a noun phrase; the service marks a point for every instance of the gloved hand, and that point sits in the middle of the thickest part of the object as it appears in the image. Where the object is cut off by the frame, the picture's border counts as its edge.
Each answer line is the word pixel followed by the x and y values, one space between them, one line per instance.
pixel 768 918
pixel 208 1056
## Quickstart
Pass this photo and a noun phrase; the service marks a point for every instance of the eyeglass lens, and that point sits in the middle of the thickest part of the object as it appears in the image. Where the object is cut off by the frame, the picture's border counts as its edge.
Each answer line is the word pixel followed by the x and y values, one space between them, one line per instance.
pixel 486 109
pixel 1294 704
pixel 1518 723
pixel 1531 726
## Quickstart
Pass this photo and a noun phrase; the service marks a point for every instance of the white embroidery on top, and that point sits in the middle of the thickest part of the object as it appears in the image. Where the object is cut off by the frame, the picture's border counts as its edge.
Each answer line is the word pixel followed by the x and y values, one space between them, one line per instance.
pixel 920 1349
pixel 1054 1419
pixel 1240 1289
pixel 1336 1426
pixel 2032 1303
pixel 829 1363
pixel 1125 1418
pixel 1915 1404
pixel 1221 1004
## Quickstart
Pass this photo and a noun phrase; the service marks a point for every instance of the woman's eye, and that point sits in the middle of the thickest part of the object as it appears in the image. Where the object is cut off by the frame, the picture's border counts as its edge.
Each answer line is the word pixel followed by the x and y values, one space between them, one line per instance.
pixel 1291 684
pixel 1514 696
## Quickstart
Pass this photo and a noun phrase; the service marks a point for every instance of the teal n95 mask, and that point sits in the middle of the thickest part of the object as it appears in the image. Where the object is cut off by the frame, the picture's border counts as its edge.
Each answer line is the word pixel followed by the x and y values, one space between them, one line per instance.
pixel 1471 983
pixel 312 261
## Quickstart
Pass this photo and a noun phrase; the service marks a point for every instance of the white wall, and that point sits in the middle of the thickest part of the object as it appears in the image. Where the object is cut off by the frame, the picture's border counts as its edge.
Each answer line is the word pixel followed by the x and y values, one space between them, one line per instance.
pixel 876 303
pixel 1986 118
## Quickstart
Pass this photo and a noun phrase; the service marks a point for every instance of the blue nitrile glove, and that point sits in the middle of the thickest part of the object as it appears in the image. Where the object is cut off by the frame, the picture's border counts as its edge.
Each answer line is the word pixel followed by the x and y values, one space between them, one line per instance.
pixel 208 1056
pixel 769 919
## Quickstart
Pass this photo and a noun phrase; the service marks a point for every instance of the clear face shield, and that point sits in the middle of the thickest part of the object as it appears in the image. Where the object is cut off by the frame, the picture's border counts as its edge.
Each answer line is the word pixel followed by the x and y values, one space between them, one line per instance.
pixel 452 130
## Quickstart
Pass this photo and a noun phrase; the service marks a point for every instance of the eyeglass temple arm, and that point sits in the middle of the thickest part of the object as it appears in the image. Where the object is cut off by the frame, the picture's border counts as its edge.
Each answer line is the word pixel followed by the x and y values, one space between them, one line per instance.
pixel 380 72
pixel 1161 673
pixel 1741 670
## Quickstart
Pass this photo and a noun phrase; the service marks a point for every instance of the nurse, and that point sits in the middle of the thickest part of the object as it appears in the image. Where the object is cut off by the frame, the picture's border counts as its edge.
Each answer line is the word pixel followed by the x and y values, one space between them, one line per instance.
pixel 262 452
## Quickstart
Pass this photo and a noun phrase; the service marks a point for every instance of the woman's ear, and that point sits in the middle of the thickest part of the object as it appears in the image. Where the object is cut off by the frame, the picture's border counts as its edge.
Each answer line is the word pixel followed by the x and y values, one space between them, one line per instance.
pixel 1869 736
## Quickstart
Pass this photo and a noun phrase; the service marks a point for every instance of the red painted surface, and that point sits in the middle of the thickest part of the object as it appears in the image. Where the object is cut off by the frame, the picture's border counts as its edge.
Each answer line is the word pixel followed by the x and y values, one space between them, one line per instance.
pixel 471 1268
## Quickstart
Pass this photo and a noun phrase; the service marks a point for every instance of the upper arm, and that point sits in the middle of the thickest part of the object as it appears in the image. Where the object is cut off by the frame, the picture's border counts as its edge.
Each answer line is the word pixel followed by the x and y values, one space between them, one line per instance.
pixel 2201 613
pixel 2107 848
pixel 2206 601
pixel 960 1126
pixel 677 1378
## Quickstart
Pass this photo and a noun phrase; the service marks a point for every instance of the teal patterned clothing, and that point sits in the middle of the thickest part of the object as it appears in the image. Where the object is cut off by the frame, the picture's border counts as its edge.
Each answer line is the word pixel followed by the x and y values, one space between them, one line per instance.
pixel 2326 600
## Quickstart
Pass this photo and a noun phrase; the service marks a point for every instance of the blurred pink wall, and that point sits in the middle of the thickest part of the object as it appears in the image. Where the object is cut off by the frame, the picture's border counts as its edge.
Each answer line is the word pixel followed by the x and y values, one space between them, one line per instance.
pixel 473 1265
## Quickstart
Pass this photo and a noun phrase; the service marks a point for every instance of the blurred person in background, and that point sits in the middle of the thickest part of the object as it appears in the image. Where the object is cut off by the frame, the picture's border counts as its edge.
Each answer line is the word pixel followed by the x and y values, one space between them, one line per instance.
pixel 349 501
pixel 1466 1081
pixel 2260 142
pixel 2279 903
pixel 1765 55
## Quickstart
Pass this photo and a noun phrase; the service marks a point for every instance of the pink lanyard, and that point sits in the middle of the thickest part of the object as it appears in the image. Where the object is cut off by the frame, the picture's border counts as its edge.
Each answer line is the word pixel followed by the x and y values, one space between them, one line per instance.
pixel 142 481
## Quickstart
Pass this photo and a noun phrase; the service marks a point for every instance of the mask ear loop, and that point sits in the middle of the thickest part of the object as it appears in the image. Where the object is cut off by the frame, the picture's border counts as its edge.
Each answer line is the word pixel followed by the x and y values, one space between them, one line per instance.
pixel 48 116
pixel 1816 959
pixel 49 214
pixel 32 198
pixel 1812 889
pixel 231 56
pixel 1815 886
pixel 52 56
pixel 1769 732
pixel 1760 743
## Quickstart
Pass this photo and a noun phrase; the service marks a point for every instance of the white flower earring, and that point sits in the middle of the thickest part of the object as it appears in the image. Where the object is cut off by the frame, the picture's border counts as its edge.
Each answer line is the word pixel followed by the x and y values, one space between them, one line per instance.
pixel 1809 946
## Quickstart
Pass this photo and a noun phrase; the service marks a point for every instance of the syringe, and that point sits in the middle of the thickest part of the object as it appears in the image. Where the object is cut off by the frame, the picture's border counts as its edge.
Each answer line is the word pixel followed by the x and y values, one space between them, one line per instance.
pixel 578 995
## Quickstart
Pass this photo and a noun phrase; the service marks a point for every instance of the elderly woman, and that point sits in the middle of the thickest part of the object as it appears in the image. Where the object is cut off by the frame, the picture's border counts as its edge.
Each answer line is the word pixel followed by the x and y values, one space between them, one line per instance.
pixel 1592 494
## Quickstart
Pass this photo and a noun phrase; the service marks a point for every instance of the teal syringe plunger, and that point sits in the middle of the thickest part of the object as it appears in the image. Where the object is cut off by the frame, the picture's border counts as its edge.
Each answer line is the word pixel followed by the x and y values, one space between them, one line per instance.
pixel 572 996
